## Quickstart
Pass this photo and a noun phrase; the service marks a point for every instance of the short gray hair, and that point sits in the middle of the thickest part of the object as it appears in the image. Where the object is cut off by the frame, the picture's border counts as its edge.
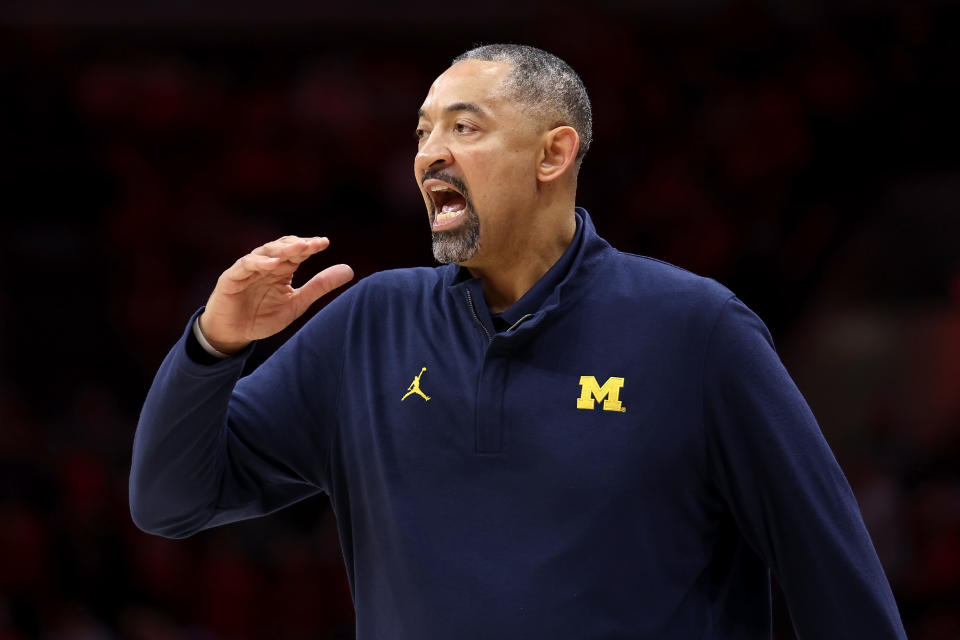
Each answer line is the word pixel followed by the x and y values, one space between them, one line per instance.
pixel 545 84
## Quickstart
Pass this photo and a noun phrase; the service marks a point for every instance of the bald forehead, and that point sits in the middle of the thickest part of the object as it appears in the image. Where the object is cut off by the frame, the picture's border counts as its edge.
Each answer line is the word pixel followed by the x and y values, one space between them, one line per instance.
pixel 477 83
pixel 481 71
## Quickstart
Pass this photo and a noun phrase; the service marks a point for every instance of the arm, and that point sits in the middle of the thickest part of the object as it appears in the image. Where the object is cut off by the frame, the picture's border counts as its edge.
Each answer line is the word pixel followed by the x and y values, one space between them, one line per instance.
pixel 786 491
pixel 211 448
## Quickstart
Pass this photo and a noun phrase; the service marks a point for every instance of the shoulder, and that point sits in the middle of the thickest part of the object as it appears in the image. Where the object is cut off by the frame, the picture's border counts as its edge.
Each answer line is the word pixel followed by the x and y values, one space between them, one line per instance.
pixel 643 278
pixel 394 282
pixel 637 295
pixel 650 281
pixel 691 299
pixel 405 277
pixel 395 288
pixel 377 296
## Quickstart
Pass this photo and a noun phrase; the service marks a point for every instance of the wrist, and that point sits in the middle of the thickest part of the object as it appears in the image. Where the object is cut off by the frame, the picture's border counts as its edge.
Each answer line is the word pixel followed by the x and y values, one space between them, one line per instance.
pixel 204 343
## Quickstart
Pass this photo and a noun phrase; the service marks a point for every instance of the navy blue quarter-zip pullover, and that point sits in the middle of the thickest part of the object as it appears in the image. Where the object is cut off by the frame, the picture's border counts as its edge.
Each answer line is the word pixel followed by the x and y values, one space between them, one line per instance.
pixel 619 455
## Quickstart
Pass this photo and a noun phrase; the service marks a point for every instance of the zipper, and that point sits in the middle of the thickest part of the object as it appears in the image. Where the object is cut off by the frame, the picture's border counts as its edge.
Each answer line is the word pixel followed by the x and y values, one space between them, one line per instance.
pixel 517 323
pixel 473 310
pixel 476 317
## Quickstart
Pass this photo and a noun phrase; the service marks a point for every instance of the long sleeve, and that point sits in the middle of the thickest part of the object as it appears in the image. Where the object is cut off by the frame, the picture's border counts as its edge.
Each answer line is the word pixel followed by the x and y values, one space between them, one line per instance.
pixel 785 489
pixel 212 447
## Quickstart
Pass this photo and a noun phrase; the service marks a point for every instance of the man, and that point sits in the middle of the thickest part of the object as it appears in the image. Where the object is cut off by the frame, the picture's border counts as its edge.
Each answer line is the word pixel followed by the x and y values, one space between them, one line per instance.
pixel 544 438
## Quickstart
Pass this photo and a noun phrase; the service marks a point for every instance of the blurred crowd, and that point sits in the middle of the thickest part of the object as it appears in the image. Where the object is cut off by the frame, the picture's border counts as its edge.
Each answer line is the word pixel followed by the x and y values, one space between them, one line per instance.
pixel 807 162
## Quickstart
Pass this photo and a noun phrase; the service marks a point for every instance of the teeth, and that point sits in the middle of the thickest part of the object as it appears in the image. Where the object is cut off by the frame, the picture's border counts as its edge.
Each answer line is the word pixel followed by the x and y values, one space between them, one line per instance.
pixel 450 215
pixel 440 187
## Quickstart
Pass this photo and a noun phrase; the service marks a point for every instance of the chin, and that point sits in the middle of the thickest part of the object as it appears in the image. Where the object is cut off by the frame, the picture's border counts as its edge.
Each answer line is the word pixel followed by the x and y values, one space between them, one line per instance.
pixel 459 244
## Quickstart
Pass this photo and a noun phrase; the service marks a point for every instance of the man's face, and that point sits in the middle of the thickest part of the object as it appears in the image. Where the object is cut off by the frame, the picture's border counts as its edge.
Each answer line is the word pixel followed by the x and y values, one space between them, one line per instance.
pixel 475 164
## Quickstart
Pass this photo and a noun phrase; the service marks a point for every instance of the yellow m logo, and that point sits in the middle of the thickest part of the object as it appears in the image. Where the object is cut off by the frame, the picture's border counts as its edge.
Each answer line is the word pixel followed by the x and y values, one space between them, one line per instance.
pixel 609 393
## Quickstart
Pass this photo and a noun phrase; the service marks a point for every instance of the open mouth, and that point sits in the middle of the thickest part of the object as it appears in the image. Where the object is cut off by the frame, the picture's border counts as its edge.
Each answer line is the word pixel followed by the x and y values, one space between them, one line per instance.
pixel 449 204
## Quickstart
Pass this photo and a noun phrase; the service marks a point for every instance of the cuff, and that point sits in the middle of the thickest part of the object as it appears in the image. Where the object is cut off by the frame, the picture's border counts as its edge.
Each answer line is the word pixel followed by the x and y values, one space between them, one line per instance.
pixel 202 339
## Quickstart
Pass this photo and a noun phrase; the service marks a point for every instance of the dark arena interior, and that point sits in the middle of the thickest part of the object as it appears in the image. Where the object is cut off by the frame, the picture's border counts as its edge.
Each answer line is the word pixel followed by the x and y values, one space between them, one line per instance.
pixel 805 156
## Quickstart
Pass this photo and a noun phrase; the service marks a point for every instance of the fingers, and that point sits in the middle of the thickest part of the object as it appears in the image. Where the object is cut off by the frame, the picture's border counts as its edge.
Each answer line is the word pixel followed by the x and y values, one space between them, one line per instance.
pixel 325 282
pixel 252 264
pixel 269 257
pixel 293 248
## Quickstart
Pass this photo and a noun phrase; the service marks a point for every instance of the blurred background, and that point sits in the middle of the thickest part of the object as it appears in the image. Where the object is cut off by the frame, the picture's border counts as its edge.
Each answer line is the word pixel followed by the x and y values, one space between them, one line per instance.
pixel 803 154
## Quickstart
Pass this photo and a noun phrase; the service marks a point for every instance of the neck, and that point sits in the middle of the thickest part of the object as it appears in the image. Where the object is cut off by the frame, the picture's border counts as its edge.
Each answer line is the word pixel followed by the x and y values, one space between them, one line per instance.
pixel 508 278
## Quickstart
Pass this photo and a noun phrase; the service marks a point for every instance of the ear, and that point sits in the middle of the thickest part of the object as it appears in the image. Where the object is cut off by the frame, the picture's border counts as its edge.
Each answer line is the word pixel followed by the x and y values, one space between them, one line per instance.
pixel 559 152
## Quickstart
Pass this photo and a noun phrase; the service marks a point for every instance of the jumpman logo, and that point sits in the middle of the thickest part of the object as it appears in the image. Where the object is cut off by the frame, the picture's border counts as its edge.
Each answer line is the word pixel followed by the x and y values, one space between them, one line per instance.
pixel 415 388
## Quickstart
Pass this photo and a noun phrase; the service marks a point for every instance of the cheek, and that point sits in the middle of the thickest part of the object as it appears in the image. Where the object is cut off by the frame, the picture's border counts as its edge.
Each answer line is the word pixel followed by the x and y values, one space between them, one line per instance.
pixel 516 178
pixel 511 166
pixel 500 175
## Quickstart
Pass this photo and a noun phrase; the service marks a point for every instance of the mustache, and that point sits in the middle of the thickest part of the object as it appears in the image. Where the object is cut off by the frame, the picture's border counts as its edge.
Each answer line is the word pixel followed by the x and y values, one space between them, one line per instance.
pixel 449 178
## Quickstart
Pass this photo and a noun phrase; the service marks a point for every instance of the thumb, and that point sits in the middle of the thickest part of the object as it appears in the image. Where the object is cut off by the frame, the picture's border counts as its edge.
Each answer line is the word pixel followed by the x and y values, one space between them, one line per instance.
pixel 324 282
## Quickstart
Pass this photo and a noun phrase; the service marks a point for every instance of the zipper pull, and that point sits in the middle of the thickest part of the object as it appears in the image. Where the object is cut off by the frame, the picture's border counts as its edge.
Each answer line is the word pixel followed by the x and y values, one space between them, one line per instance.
pixel 517 323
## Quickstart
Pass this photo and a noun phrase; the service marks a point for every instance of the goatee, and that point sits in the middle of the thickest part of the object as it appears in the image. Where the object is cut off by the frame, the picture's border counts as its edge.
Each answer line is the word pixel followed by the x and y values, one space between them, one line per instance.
pixel 462 242
pixel 459 244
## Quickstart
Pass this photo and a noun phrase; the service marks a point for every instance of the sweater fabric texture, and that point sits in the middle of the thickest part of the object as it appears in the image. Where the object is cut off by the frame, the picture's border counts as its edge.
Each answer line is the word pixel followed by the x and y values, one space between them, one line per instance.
pixel 623 455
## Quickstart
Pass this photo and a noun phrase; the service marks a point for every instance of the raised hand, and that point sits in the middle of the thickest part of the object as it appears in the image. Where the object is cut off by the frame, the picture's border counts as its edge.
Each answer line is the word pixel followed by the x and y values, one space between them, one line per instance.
pixel 255 299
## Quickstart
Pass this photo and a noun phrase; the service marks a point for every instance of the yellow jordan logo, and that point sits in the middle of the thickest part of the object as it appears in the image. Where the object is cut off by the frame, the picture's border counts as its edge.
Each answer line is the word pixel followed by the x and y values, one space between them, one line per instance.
pixel 591 392
pixel 415 388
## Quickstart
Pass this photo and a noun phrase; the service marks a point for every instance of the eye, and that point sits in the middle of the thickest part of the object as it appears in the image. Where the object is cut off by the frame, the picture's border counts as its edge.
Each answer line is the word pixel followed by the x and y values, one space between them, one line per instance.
pixel 419 133
pixel 462 127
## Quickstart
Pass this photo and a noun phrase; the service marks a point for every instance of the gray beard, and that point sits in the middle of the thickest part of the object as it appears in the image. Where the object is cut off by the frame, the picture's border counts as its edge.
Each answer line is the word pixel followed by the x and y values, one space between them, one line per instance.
pixel 460 244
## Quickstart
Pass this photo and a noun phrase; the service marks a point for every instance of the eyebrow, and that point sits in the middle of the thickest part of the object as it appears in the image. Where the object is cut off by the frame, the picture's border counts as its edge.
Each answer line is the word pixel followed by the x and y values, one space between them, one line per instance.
pixel 472 107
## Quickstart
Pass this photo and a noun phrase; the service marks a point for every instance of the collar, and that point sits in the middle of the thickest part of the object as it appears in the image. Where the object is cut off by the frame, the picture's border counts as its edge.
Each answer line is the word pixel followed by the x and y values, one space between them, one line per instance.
pixel 561 284
pixel 533 299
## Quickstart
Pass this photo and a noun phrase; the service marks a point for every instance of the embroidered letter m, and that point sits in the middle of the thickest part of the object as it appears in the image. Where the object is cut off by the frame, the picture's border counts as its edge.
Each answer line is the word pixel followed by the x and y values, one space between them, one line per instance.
pixel 609 393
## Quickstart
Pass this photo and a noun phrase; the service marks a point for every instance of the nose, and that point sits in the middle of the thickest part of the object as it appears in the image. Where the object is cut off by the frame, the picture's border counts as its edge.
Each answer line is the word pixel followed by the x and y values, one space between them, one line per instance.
pixel 432 154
